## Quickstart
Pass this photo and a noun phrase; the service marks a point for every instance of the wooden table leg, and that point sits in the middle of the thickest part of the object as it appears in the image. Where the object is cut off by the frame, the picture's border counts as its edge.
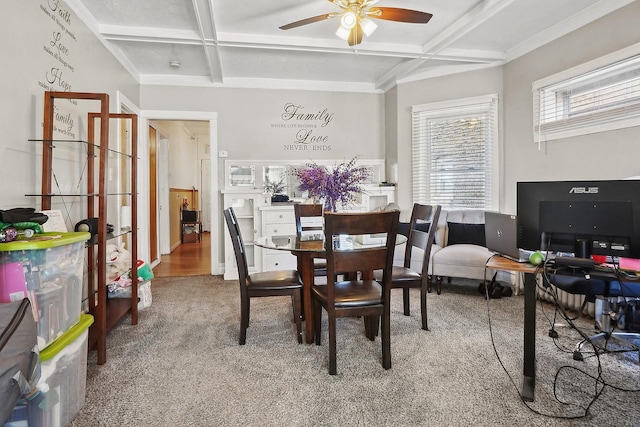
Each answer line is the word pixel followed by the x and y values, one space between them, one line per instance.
pixel 529 365
pixel 306 270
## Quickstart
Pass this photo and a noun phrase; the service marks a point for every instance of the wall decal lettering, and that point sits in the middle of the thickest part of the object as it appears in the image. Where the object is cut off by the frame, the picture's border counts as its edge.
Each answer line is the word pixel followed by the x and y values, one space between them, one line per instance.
pixel 309 126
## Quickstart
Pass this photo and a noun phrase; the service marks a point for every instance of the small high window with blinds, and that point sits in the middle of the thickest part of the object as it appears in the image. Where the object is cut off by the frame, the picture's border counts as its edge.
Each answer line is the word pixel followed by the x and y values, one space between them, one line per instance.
pixel 454 153
pixel 600 96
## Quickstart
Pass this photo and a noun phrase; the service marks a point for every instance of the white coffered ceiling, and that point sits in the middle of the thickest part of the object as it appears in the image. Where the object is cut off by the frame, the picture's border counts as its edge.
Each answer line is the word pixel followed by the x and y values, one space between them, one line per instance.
pixel 231 43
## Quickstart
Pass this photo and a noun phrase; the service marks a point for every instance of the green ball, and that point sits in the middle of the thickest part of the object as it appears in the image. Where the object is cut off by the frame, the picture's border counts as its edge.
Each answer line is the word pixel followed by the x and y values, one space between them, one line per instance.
pixel 536 258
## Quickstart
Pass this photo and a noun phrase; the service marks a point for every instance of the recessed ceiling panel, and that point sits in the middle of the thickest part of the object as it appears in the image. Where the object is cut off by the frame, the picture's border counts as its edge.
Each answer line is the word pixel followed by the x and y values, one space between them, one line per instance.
pixel 518 22
pixel 265 18
pixel 156 58
pixel 175 14
pixel 292 65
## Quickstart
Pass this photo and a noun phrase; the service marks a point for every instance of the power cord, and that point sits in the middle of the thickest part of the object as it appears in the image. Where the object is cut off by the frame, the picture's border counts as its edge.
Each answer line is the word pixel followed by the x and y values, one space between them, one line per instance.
pixel 599 383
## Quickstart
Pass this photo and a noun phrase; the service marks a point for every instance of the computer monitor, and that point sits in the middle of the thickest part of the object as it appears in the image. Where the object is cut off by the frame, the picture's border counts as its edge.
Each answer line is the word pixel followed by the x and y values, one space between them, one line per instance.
pixel 582 217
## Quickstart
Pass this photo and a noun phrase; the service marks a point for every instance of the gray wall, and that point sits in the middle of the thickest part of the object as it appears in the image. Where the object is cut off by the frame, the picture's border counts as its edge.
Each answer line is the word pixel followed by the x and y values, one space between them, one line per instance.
pixel 251 126
pixel 464 85
pixel 28 64
pixel 605 155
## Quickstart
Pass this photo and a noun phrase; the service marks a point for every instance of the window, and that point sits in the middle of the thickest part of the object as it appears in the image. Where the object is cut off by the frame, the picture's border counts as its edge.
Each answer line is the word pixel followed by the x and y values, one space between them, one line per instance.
pixel 595 97
pixel 455 149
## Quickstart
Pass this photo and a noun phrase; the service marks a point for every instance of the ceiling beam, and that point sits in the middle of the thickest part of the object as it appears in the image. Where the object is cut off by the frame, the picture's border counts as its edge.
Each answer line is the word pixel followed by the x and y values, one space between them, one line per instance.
pixel 215 71
pixel 483 11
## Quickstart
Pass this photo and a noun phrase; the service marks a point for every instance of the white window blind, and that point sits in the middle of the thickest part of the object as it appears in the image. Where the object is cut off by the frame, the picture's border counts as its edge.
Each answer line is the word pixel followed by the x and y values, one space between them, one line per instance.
pixel 455 148
pixel 596 97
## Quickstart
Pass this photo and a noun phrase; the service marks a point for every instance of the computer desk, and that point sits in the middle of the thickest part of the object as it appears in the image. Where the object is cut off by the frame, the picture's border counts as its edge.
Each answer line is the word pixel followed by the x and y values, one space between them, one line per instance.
pixel 529 349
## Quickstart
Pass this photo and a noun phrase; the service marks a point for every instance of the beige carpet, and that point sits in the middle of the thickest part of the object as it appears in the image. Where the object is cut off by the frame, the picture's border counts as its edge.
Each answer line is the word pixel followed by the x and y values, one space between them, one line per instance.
pixel 182 366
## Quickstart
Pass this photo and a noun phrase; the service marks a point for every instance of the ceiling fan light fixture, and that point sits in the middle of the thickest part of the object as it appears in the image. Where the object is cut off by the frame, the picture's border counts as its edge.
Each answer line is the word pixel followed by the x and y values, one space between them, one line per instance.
pixel 355 18
pixel 368 26
pixel 348 20
pixel 343 33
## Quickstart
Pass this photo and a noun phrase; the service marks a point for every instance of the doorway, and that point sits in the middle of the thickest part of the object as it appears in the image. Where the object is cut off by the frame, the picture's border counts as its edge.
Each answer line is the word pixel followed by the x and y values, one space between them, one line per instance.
pixel 189 259
pixel 191 254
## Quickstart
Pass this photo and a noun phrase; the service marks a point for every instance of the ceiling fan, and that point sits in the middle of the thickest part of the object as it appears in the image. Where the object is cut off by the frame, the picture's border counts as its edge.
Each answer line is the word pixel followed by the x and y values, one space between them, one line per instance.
pixel 355 18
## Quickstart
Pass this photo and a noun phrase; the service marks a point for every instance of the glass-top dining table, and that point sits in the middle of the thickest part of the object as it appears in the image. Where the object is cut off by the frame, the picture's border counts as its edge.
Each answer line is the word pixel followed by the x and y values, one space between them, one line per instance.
pixel 308 247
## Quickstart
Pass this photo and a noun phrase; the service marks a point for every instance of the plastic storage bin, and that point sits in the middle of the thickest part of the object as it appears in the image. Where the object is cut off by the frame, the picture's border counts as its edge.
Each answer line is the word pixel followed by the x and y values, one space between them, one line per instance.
pixel 53 266
pixel 63 381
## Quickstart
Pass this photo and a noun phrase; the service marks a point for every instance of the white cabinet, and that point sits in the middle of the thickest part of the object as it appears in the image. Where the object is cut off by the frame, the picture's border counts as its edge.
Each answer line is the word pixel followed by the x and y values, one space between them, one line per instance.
pixel 278 220
pixel 246 206
pixel 245 192
pixel 377 197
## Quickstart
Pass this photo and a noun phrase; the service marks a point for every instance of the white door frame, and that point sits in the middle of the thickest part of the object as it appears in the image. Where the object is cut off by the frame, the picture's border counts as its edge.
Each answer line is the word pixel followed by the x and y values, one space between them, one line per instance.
pixel 212 118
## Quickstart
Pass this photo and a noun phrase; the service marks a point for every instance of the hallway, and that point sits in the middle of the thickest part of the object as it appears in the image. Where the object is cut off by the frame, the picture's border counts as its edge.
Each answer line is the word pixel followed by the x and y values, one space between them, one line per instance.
pixel 188 259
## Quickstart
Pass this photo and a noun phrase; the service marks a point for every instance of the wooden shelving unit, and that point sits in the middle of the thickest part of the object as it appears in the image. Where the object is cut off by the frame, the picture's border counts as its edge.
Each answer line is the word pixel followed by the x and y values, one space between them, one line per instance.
pixel 107 312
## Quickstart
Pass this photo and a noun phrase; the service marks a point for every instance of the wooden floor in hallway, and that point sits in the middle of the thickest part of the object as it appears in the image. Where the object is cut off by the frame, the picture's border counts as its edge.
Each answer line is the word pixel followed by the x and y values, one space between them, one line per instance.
pixel 188 259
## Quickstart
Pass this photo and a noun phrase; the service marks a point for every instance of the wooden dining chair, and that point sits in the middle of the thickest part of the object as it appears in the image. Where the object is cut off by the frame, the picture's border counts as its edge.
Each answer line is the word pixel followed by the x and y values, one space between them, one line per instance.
pixel 310 221
pixel 421 234
pixel 357 297
pixel 261 284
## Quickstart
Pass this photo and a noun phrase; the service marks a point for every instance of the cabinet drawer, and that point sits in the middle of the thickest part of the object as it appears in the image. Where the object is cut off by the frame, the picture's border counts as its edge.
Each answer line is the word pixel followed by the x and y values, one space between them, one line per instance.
pixel 280 261
pixel 279 229
pixel 279 217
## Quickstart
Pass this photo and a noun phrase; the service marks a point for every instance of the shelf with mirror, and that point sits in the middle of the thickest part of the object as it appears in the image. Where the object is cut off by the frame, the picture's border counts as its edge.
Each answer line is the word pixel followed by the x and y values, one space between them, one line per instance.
pixel 249 187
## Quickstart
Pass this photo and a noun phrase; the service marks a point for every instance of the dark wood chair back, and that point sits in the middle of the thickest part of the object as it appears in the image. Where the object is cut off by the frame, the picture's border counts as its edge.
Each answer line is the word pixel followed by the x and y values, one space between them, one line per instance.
pixel 314 212
pixel 366 258
pixel 422 232
pixel 304 211
pixel 261 284
pixel 359 295
pixel 238 244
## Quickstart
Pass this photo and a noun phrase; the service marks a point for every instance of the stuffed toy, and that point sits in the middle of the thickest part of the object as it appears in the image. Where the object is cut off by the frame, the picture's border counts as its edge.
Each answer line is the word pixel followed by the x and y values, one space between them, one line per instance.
pixel 144 271
pixel 118 261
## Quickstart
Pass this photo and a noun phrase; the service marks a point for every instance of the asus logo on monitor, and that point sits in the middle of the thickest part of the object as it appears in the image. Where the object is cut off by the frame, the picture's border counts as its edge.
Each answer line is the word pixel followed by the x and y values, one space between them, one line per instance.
pixel 584 190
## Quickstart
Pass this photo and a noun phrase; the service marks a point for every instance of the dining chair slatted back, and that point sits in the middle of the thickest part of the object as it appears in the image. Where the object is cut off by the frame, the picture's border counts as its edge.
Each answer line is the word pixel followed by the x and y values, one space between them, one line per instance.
pixel 261 284
pixel 359 295
pixel 309 217
pixel 238 244
pixel 310 220
pixel 421 235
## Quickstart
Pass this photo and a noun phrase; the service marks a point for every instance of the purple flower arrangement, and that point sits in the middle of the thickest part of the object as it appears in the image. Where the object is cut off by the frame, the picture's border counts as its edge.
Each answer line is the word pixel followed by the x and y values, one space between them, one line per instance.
pixel 336 185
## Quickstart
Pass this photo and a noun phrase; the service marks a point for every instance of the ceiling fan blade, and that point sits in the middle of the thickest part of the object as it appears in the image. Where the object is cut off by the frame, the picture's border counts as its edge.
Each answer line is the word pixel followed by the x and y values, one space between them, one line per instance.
pixel 355 36
pixel 400 15
pixel 308 21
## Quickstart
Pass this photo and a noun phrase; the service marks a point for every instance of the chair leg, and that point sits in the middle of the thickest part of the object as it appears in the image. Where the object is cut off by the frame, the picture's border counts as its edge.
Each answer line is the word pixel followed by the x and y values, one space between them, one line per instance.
pixel 386 339
pixel 367 327
pixel 371 326
pixel 405 301
pixel 302 305
pixel 317 322
pixel 332 345
pixel 438 285
pixel 423 306
pixel 244 321
pixel 296 313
